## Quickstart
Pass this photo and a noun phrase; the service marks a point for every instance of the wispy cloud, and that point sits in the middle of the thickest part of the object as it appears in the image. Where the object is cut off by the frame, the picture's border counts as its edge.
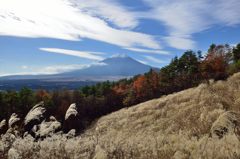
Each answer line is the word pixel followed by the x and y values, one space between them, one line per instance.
pixel 143 62
pixel 60 68
pixel 82 54
pixel 154 59
pixel 185 18
pixel 54 69
pixel 180 42
pixel 72 20
pixel 111 22
pixel 24 67
pixel 109 10
pixel 47 70
pixel 65 68
pixel 160 52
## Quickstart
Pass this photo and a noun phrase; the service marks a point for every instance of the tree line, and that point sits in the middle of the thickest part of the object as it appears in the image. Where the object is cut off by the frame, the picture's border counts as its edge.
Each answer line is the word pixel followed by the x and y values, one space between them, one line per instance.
pixel 95 101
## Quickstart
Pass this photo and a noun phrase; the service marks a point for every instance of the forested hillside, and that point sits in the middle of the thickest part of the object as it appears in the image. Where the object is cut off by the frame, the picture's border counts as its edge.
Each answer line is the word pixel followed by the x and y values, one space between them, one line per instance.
pixel 187 71
pixel 201 122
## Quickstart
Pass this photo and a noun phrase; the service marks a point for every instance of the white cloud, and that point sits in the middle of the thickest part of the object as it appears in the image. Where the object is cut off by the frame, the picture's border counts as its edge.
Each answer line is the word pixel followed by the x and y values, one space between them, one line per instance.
pixel 180 42
pixel 108 10
pixel 47 70
pixel 71 20
pixel 183 18
pixel 24 67
pixel 143 62
pixel 161 52
pixel 154 59
pixel 55 69
pixel 226 12
pixel 109 21
pixel 119 55
pixel 59 69
pixel 82 54
pixel 65 68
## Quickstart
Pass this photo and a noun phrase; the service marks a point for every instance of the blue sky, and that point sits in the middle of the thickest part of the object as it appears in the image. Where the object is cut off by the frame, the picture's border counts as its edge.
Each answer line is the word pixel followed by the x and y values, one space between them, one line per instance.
pixel 52 36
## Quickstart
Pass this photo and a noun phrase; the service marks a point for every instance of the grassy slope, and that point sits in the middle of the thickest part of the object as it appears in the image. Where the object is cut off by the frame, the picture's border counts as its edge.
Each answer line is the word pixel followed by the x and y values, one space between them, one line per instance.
pixel 175 126
pixel 178 124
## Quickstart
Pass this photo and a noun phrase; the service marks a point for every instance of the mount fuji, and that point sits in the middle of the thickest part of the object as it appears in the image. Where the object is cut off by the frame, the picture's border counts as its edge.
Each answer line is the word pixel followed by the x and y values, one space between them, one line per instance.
pixel 113 68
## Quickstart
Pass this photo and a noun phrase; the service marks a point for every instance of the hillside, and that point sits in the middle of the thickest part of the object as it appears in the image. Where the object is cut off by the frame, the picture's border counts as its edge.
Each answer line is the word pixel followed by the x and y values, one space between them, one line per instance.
pixel 201 122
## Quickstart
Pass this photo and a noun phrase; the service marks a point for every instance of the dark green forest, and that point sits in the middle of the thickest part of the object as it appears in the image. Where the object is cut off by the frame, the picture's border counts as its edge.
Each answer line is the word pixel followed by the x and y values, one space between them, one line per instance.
pixel 187 71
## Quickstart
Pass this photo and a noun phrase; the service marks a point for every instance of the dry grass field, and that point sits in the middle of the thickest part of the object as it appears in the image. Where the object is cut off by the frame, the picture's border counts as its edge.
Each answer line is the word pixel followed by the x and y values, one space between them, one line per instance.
pixel 201 122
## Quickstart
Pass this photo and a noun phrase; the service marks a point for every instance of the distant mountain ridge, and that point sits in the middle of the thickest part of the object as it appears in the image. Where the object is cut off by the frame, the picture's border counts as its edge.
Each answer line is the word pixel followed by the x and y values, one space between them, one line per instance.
pixel 113 68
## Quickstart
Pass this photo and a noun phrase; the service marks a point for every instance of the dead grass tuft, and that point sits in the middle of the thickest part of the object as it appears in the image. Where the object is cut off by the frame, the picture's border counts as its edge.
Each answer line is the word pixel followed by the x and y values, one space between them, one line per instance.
pixel 179 125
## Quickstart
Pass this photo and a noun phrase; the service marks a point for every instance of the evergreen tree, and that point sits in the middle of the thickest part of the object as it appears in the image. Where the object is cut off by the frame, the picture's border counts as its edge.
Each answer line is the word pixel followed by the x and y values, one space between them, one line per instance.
pixel 236 53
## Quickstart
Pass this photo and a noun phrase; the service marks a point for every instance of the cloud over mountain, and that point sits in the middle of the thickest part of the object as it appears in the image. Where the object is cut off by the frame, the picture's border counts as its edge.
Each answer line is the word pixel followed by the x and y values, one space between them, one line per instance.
pixel 82 54
pixel 114 23
pixel 72 20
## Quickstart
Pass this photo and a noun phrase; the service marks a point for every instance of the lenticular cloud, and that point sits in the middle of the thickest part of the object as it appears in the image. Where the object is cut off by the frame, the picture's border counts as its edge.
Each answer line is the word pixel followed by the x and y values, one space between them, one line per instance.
pixel 63 19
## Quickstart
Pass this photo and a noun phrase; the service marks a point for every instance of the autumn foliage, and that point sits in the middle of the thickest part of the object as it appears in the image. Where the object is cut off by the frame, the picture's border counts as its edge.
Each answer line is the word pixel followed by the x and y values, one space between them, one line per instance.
pixel 183 72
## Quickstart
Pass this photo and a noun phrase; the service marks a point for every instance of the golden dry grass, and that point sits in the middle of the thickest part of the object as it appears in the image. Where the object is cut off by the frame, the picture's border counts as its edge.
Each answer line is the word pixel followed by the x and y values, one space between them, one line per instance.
pixel 178 126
